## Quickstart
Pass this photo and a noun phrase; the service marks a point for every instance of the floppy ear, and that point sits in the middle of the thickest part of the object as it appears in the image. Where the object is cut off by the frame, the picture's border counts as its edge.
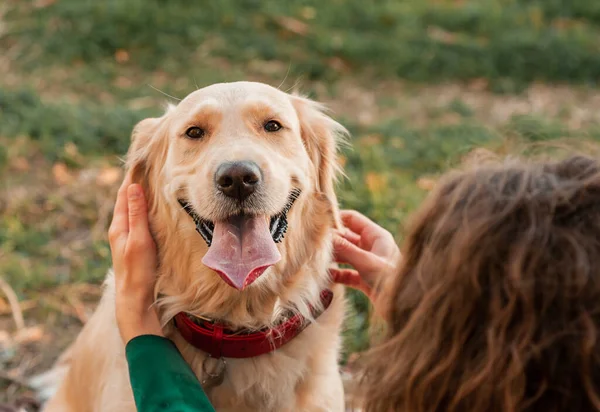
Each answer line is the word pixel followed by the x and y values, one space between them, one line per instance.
pixel 322 136
pixel 146 154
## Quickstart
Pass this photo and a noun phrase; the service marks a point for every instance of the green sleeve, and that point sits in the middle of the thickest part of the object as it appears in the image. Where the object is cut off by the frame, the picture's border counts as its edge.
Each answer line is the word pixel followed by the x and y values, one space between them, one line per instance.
pixel 161 379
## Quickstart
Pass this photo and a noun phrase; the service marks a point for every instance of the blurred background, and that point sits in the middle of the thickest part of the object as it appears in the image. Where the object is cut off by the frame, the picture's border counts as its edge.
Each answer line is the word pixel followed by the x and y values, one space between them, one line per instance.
pixel 419 83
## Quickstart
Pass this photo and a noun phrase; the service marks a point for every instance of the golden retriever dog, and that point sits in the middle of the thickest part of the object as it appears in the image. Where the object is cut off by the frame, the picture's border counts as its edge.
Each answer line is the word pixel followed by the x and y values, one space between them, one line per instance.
pixel 240 184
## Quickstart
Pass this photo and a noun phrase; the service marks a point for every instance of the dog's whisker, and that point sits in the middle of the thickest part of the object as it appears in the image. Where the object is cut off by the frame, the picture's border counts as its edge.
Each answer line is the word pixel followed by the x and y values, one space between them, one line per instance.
pixel 286 76
pixel 160 91
pixel 295 85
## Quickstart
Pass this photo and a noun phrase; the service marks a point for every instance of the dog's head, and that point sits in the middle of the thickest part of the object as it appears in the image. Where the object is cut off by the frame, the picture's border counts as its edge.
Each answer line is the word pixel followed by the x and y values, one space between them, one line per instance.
pixel 242 172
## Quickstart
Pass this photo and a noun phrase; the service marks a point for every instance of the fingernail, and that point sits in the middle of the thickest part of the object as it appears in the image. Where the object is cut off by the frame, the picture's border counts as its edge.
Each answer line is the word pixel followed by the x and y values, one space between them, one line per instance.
pixel 134 192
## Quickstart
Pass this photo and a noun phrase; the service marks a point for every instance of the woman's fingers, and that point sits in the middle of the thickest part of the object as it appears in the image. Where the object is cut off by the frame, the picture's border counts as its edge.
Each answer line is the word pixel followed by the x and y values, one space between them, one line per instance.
pixel 368 230
pixel 349 235
pixel 139 232
pixel 119 226
pixel 363 261
pixel 350 278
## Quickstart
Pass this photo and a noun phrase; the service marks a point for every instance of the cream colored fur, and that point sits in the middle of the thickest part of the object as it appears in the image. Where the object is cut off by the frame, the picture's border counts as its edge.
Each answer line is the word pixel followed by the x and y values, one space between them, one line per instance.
pixel 302 375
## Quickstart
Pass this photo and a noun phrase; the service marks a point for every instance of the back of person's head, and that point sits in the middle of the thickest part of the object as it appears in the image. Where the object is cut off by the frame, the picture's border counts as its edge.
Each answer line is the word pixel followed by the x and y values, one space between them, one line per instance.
pixel 497 304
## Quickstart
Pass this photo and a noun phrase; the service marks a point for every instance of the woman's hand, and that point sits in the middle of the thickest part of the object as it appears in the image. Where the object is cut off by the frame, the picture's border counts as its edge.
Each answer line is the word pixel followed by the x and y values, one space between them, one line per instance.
pixel 370 249
pixel 135 263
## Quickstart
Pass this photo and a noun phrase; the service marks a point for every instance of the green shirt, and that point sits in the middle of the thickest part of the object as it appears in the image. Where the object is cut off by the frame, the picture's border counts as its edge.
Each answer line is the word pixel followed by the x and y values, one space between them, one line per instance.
pixel 161 379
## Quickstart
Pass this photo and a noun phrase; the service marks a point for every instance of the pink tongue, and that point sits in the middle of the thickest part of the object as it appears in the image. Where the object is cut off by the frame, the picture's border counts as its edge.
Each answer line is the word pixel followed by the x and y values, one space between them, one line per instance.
pixel 241 250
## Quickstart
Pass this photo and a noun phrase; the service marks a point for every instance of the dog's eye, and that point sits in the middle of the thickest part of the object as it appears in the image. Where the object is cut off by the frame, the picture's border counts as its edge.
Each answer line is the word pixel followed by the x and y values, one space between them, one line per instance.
pixel 194 133
pixel 272 126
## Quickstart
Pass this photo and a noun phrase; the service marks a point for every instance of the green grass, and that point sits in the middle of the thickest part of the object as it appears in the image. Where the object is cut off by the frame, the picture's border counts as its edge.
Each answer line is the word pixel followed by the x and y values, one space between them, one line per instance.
pixel 94 129
pixel 78 73
pixel 510 41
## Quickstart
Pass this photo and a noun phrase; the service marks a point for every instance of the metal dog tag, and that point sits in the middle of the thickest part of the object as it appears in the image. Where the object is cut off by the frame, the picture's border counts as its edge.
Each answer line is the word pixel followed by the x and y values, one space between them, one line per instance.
pixel 214 371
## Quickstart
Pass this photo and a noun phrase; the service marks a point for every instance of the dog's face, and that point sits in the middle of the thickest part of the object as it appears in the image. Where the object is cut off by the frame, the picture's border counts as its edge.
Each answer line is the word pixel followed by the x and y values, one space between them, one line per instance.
pixel 240 163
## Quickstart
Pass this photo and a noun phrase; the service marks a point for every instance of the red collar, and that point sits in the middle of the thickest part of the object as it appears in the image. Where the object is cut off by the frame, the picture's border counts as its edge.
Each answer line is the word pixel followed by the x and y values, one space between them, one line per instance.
pixel 219 342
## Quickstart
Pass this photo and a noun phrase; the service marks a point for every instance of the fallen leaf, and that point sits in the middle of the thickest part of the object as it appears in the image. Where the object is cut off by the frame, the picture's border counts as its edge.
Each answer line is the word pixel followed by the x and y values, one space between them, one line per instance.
pixel 450 119
pixel 293 25
pixel 338 64
pixel 122 56
pixel 370 140
pixel 20 164
pixel 71 149
pixel 108 176
pixel 61 174
pixel 141 103
pixel 478 85
pixel 123 82
pixel 564 23
pixel 29 335
pixel 308 13
pixel 376 182
pixel 426 183
pixel 441 35
pixel 5 340
pixel 40 4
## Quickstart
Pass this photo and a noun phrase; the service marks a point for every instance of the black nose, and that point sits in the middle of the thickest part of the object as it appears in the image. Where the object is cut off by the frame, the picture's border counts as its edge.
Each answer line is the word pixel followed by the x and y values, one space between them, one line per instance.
pixel 238 180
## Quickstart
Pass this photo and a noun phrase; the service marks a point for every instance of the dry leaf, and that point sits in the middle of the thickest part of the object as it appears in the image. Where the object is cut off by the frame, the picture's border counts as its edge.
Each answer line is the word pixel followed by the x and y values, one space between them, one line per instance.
pixel 479 84
pixel 141 103
pixel 308 13
pixel 61 174
pixel 29 335
pixel 40 4
pixel 450 119
pixel 564 24
pixel 371 140
pixel 376 182
pixel 426 183
pixel 123 82
pixel 72 150
pixel 20 164
pixel 108 176
pixel 293 25
pixel 4 337
pixel 122 56
pixel 338 64
pixel 441 35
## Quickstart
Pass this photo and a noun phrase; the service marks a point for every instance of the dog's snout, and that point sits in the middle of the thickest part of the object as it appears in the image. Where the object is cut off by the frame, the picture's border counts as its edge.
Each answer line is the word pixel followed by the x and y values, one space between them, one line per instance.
pixel 238 180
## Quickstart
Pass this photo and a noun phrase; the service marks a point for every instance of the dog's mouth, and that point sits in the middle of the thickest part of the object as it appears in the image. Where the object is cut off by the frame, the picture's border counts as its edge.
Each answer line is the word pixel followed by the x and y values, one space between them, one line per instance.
pixel 242 247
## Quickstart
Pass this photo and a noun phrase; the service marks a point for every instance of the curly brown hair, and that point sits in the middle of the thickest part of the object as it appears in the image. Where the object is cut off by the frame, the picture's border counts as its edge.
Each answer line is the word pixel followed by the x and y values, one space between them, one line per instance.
pixel 497 305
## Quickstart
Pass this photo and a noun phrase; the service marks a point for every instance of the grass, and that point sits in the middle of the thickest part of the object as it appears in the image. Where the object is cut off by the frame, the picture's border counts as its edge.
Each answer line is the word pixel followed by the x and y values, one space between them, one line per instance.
pixel 511 42
pixel 413 80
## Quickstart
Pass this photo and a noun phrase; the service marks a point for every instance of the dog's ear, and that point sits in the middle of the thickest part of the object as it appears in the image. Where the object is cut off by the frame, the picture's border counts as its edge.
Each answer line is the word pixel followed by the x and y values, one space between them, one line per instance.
pixel 146 153
pixel 322 137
